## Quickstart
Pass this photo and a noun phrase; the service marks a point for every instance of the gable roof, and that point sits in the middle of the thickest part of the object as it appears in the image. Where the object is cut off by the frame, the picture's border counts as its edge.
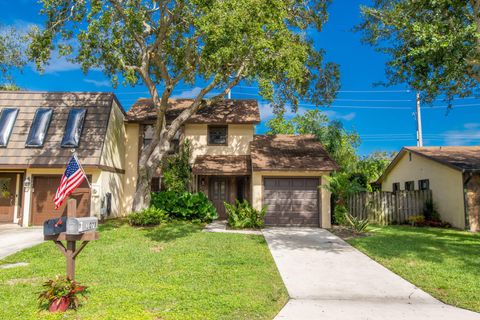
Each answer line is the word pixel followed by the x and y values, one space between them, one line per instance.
pixel 462 158
pixel 290 152
pixel 224 112
pixel 51 154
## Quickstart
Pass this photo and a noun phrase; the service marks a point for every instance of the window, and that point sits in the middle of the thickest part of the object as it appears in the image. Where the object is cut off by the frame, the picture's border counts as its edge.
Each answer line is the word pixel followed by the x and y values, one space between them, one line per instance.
pixel 409 156
pixel 217 135
pixel 424 184
pixel 148 132
pixel 73 130
pixel 410 185
pixel 7 120
pixel 396 187
pixel 39 127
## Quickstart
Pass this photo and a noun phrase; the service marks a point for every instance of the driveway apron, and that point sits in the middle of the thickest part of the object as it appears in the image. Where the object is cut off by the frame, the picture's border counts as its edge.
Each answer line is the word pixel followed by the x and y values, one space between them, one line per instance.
pixel 14 238
pixel 327 278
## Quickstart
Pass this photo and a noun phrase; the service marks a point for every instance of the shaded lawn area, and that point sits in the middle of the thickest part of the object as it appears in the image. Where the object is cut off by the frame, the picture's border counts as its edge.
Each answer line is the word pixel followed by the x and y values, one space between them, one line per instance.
pixel 170 272
pixel 444 263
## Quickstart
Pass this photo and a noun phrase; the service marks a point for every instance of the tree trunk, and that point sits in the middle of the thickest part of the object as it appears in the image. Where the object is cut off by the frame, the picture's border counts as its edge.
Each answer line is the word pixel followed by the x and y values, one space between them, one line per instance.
pixel 147 167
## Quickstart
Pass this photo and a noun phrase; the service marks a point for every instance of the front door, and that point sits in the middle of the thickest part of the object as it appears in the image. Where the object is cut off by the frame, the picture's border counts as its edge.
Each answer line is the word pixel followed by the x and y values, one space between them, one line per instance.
pixel 7 196
pixel 218 194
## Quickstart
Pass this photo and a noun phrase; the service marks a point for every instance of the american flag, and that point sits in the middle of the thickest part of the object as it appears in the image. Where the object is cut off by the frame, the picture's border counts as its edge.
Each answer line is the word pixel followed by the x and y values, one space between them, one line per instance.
pixel 71 179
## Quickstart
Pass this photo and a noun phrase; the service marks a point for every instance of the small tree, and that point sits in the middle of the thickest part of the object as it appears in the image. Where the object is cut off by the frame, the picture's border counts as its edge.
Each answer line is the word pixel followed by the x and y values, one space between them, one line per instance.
pixel 177 173
pixel 213 43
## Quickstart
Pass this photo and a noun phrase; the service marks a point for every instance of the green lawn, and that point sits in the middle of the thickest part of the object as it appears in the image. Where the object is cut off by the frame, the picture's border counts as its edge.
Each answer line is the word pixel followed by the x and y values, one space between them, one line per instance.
pixel 171 272
pixel 444 263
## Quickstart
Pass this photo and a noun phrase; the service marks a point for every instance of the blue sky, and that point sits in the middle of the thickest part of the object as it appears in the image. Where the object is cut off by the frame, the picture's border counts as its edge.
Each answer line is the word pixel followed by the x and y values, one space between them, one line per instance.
pixel 384 117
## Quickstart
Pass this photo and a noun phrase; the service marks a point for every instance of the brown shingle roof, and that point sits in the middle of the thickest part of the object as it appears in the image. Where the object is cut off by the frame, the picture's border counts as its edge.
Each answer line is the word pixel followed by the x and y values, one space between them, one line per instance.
pixel 462 158
pixel 290 152
pixel 226 111
pixel 222 165
pixel 459 158
pixel 98 105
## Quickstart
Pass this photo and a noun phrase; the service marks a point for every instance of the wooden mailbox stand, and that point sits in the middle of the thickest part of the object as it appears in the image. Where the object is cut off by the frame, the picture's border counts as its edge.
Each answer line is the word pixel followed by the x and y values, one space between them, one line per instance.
pixel 70 251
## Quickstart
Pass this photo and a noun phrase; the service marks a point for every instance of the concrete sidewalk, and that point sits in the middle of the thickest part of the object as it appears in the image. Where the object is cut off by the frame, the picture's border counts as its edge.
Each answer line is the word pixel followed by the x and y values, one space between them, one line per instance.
pixel 14 238
pixel 327 278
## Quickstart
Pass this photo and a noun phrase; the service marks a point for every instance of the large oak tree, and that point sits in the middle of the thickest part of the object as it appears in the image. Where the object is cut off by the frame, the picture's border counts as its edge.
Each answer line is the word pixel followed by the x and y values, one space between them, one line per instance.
pixel 434 46
pixel 215 43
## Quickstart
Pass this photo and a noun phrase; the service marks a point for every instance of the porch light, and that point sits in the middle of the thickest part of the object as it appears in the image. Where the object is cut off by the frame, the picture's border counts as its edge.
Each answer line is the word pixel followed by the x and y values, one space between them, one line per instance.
pixel 27 183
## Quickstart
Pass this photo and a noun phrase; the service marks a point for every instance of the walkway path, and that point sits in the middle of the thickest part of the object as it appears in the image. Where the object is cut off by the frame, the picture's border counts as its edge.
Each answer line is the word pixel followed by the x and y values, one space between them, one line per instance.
pixel 327 279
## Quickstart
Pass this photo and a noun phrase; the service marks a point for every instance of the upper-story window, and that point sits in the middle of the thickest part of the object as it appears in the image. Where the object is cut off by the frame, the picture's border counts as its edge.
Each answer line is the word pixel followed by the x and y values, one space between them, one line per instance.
pixel 396 187
pixel 39 127
pixel 74 127
pixel 7 120
pixel 148 132
pixel 410 185
pixel 217 135
pixel 424 184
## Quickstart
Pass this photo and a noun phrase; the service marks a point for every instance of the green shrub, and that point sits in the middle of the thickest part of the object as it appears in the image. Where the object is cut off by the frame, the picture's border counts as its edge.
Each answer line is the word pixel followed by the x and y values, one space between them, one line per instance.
pixel 148 217
pixel 416 220
pixel 177 172
pixel 243 215
pixel 358 225
pixel 185 205
pixel 339 215
pixel 430 211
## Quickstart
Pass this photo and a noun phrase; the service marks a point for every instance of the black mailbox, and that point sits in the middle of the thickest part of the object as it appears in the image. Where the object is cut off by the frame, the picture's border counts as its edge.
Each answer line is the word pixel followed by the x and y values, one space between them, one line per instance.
pixel 54 226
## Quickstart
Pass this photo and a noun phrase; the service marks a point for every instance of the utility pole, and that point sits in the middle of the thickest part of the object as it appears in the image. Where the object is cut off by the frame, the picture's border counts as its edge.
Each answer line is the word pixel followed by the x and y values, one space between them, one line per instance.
pixel 419 123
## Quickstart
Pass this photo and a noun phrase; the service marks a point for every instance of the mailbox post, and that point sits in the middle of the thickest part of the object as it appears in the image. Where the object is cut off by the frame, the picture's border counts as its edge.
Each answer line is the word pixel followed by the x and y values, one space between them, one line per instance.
pixel 70 251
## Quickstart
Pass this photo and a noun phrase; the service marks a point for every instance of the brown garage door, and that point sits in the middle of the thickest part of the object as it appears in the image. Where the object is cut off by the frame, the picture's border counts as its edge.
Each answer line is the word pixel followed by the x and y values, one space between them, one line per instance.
pixel 43 208
pixel 291 201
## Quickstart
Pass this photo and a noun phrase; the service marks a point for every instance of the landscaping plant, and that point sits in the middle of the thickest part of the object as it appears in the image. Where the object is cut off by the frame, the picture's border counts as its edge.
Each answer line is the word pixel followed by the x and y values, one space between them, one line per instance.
pixel 185 205
pixel 149 217
pixel 177 172
pixel 61 294
pixel 416 220
pixel 358 225
pixel 243 215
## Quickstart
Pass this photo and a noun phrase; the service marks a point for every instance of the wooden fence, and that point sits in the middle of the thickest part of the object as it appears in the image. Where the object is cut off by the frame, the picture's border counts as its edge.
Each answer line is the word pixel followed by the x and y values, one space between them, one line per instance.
pixel 388 207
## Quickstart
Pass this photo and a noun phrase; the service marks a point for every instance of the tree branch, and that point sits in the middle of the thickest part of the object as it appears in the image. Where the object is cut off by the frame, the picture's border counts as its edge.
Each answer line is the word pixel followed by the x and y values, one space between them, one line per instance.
pixel 118 7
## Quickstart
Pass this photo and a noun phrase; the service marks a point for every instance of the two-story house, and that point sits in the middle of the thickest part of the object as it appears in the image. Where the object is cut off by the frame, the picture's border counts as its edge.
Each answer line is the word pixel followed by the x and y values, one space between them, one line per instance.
pixel 39 131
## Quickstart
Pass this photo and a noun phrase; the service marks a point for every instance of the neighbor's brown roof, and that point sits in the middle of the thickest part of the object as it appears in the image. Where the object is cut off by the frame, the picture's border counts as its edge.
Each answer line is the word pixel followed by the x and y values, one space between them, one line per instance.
pixel 462 158
pixel 290 152
pixel 226 111
pixel 98 106
pixel 222 165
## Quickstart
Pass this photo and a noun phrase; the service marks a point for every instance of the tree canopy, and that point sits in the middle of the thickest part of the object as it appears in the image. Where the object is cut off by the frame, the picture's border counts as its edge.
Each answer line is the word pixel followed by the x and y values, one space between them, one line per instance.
pixel 211 43
pixel 434 46
pixel 11 56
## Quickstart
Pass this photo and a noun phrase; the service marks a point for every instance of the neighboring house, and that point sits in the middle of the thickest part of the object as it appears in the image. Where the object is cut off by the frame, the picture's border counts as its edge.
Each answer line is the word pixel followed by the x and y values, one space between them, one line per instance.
pixel 453 175
pixel 40 130
pixel 230 162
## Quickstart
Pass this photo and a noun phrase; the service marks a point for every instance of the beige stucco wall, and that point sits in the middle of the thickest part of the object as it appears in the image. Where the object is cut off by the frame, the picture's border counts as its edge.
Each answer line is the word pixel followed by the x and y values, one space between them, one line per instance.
pixel 446 185
pixel 239 138
pixel 257 190
pixel 132 132
pixel 113 152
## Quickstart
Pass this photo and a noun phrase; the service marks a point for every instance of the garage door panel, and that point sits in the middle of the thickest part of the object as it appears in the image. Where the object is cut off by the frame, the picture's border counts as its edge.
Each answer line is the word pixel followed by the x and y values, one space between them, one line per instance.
pixel 297 194
pixel 291 201
pixel 43 207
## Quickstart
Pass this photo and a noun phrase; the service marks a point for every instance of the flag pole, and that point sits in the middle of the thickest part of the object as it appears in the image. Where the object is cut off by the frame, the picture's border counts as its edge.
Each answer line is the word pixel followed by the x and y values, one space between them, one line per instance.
pixel 81 168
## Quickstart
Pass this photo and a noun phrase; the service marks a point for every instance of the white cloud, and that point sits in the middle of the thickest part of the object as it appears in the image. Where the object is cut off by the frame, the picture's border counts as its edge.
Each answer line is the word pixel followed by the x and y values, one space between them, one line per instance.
pixel 60 64
pixel 469 135
pixel 266 112
pixel 190 93
pixel 98 83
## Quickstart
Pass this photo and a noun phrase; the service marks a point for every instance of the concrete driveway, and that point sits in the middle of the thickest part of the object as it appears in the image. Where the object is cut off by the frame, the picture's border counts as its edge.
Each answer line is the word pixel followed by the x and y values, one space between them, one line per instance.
pixel 14 238
pixel 327 278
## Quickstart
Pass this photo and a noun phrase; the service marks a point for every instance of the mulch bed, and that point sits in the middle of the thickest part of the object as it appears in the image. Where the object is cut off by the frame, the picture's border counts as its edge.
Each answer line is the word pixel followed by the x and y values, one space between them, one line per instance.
pixel 346 233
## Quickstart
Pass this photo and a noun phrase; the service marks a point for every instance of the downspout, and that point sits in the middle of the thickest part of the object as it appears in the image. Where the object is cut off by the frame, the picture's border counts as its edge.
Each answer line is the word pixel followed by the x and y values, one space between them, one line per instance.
pixel 465 200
